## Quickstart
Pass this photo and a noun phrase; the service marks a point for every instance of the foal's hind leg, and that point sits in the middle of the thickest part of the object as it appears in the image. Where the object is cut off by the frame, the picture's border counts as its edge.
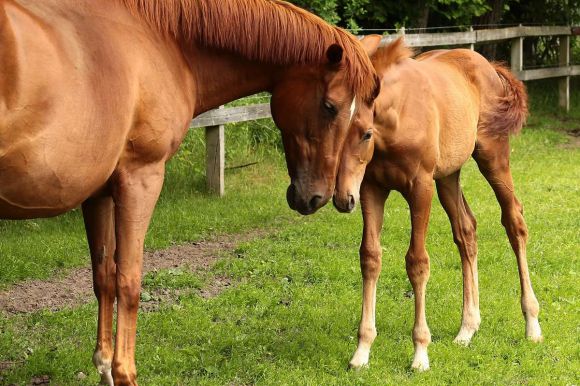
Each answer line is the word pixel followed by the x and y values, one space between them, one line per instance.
pixel 417 264
pixel 99 224
pixel 463 225
pixel 372 202
pixel 492 157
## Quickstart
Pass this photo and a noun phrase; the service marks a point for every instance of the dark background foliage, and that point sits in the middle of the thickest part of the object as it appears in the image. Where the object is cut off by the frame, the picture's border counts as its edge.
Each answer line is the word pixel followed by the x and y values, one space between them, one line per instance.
pixel 416 15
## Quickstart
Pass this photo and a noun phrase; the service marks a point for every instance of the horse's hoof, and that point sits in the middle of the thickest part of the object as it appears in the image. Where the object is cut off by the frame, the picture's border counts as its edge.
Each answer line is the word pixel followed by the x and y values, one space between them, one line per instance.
pixel 107 378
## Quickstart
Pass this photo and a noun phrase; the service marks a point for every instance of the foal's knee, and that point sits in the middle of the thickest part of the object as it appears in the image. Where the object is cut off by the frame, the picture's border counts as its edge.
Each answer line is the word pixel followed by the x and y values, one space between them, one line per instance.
pixel 515 224
pixel 417 264
pixel 370 261
pixel 465 235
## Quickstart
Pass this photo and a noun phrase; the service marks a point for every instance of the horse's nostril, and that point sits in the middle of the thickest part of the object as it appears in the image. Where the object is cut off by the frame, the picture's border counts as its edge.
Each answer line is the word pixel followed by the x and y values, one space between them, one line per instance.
pixel 351 202
pixel 291 196
pixel 315 202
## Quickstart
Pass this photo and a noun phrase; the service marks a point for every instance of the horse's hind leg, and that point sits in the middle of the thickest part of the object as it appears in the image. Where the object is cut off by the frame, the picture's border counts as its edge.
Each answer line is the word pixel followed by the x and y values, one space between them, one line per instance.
pixel 372 202
pixel 99 224
pixel 417 264
pixel 463 225
pixel 492 157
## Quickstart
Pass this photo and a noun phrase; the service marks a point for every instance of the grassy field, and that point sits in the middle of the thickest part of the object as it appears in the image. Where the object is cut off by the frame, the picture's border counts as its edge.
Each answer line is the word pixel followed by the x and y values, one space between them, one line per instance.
pixel 292 314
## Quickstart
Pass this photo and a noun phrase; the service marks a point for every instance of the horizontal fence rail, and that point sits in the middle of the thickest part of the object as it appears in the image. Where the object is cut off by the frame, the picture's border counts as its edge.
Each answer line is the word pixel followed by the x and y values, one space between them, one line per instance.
pixel 214 120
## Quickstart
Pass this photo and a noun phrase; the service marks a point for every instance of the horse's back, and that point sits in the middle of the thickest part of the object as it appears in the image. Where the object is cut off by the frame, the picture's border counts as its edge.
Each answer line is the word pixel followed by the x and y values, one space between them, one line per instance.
pixel 70 95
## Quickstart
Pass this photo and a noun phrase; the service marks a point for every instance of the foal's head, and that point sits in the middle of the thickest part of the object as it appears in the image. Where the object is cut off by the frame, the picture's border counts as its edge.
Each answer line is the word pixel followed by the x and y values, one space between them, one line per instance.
pixel 314 107
pixel 360 142
pixel 357 153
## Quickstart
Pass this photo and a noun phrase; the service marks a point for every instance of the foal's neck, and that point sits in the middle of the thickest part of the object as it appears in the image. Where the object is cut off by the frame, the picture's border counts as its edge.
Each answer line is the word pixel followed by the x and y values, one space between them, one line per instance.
pixel 222 77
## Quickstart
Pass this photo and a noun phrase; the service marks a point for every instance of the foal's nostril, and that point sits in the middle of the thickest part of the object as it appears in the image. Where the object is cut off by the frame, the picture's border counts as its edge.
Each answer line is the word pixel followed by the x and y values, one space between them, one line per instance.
pixel 351 202
pixel 315 202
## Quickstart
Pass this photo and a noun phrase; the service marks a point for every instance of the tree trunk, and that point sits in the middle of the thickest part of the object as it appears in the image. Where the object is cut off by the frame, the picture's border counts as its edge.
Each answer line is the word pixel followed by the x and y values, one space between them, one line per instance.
pixel 422 18
pixel 489 20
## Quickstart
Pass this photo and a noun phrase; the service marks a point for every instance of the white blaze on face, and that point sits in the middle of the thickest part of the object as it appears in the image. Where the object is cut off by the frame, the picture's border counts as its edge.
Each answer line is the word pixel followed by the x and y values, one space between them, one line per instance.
pixel 352 108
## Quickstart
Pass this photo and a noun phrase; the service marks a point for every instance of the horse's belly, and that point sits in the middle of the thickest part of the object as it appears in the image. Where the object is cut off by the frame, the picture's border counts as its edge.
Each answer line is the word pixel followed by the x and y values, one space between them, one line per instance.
pixel 41 181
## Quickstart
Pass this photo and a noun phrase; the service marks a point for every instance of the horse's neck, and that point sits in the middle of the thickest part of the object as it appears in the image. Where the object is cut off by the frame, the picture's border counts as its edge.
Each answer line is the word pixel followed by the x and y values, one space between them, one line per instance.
pixel 222 78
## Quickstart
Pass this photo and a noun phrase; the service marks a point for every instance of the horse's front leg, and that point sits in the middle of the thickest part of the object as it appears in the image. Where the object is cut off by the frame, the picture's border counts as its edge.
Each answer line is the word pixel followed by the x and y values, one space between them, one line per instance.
pixel 99 224
pixel 417 264
pixel 372 202
pixel 135 192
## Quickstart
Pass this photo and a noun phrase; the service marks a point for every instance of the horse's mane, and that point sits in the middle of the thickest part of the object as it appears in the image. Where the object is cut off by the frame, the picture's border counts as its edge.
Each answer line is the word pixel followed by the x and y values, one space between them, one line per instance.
pixel 392 53
pixel 271 31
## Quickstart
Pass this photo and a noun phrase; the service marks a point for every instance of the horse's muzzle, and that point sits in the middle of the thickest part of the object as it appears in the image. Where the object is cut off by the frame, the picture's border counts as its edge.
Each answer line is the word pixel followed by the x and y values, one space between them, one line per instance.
pixel 302 205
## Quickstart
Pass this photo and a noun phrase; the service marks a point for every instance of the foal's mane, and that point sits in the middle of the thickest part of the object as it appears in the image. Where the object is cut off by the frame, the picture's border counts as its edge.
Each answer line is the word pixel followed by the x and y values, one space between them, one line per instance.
pixel 270 31
pixel 392 53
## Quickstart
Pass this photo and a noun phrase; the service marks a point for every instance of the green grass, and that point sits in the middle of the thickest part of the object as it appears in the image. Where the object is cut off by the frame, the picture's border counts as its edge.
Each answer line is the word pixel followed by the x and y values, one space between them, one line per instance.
pixel 292 315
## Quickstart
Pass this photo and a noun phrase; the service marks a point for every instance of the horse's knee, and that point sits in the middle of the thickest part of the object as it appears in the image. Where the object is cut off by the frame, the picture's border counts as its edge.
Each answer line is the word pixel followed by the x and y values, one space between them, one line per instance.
pixel 129 291
pixel 104 284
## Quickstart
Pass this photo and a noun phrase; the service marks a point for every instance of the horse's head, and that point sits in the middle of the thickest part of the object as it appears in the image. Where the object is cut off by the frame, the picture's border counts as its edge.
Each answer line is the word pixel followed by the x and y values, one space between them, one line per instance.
pixel 314 106
pixel 356 154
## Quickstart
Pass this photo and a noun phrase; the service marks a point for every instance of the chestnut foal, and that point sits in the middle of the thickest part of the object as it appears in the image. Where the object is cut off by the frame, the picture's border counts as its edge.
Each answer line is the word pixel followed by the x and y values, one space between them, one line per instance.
pixel 432 114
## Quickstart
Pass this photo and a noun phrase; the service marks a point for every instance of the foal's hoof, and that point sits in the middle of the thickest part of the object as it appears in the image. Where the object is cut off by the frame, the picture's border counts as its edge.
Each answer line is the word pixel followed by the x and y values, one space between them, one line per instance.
pixel 420 367
pixel 420 361
pixel 359 360
pixel 357 367
pixel 533 331
pixel 464 337
pixel 536 338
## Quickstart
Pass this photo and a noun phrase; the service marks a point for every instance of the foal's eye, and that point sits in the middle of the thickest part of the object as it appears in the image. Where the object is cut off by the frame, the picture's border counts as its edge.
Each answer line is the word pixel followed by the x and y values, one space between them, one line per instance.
pixel 330 108
pixel 368 135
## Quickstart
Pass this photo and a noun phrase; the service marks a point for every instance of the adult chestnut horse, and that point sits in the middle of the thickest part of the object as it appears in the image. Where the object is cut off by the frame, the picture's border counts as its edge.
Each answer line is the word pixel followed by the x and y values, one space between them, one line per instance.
pixel 432 114
pixel 96 96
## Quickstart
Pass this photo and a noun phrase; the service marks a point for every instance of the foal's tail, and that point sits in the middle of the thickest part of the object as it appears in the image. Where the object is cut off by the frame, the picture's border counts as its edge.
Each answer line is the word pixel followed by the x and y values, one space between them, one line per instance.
pixel 510 111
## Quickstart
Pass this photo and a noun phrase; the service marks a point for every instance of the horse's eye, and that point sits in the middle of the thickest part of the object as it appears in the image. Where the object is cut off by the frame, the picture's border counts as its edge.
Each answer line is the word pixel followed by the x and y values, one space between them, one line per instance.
pixel 330 108
pixel 368 135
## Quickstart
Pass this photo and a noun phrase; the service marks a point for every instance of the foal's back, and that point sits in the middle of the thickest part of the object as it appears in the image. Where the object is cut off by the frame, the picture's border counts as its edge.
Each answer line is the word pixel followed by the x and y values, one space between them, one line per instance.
pixel 438 100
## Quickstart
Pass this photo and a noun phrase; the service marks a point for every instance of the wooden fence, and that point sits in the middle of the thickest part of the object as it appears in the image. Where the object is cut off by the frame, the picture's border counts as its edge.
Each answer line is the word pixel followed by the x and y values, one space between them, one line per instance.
pixel 214 120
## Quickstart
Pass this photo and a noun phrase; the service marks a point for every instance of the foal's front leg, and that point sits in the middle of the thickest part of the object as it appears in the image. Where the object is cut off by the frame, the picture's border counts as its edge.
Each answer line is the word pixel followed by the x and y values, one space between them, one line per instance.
pixel 372 203
pixel 417 263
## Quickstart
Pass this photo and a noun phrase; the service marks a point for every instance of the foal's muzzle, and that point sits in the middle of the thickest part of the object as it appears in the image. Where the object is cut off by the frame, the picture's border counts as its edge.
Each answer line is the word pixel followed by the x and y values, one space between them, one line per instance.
pixel 304 204
pixel 344 206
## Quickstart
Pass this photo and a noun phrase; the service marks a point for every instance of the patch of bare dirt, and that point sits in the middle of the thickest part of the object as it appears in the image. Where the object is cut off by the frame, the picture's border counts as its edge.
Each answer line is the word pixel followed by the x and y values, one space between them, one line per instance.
pixel 573 139
pixel 76 288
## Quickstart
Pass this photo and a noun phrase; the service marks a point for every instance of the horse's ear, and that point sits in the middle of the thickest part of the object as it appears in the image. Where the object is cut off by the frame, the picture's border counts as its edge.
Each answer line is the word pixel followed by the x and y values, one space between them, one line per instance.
pixel 371 43
pixel 334 54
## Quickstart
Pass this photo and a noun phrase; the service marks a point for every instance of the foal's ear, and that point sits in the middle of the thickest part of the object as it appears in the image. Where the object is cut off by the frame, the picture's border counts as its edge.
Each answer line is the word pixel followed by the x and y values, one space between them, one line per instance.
pixel 371 43
pixel 377 89
pixel 334 54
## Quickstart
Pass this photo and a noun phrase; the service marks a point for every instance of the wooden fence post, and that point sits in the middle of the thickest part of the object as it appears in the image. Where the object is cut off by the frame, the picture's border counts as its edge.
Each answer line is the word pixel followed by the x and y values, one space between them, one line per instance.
pixel 564 83
pixel 471 45
pixel 517 56
pixel 215 158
